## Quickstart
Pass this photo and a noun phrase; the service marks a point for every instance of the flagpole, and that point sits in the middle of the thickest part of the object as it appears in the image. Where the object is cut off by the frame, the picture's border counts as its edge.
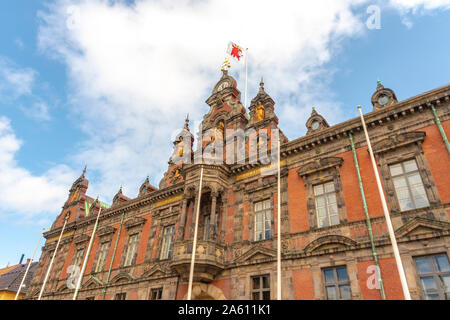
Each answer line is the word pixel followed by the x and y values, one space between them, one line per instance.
pixel 194 245
pixel 279 227
pixel 53 258
pixel 398 260
pixel 29 264
pixel 80 278
pixel 246 78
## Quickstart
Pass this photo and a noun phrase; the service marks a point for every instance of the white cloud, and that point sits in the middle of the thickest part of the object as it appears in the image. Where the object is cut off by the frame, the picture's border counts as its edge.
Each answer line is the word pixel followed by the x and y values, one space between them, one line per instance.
pixel 136 70
pixel 38 110
pixel 15 81
pixel 415 7
pixel 25 197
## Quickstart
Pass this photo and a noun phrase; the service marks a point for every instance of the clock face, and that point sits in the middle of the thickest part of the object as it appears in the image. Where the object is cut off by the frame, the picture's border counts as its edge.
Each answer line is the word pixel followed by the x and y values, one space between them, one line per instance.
pixel 222 86
pixel 383 100
pixel 315 125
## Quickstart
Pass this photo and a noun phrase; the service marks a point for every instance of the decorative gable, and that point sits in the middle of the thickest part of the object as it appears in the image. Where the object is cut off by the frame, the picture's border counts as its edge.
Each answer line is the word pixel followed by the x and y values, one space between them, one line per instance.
pixel 320 164
pixel 106 231
pixel 134 222
pixel 398 140
pixel 155 271
pixel 330 242
pixel 420 226
pixel 256 254
pixel 122 277
pixel 81 238
pixel 92 283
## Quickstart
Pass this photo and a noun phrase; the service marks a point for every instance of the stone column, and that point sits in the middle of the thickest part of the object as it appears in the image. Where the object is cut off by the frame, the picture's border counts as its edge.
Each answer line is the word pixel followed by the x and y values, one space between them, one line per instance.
pixel 184 204
pixel 212 220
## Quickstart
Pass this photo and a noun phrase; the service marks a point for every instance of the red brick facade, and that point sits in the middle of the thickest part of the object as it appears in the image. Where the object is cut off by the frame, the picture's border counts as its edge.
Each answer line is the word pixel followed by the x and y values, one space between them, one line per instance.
pixel 229 257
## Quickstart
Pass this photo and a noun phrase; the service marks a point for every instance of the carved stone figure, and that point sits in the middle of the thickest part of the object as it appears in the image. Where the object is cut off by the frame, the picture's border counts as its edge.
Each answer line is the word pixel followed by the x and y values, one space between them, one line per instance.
pixel 260 112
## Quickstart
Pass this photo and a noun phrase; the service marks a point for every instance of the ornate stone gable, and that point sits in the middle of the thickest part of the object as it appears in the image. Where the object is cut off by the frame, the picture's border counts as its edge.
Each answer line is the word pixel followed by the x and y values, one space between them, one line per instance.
pixel 122 277
pixel 92 283
pixel 134 222
pixel 420 226
pixel 80 239
pixel 398 140
pixel 256 254
pixel 320 164
pixel 107 230
pixel 330 242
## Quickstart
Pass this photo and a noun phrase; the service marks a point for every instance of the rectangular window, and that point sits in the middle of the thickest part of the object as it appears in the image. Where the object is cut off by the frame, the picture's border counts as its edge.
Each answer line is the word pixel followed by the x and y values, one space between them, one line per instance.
pixel 132 250
pixel 408 185
pixel 120 296
pixel 167 245
pixel 337 283
pixel 78 257
pixel 261 287
pixel 263 220
pixel 326 205
pixel 103 253
pixel 156 294
pixel 434 275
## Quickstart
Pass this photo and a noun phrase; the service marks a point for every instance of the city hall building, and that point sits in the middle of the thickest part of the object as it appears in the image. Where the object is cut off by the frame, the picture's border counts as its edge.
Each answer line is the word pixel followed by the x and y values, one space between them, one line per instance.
pixel 333 230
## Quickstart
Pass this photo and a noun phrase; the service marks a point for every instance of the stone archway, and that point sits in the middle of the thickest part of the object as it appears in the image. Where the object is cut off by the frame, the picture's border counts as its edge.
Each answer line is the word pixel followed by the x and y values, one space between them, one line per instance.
pixel 204 291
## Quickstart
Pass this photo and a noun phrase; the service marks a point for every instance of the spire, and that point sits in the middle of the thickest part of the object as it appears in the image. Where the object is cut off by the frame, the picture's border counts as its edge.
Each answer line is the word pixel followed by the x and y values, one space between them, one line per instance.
pixel 186 122
pixel 84 171
pixel 379 85
pixel 261 84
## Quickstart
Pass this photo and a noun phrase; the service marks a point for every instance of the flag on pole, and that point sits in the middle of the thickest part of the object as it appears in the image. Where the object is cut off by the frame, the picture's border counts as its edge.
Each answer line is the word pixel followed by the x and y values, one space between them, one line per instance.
pixel 235 51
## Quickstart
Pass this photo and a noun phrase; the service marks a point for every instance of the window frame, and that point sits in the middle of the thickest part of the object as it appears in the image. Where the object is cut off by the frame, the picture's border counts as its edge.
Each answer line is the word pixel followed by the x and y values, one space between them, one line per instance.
pixel 324 195
pixel 167 249
pixel 261 290
pixel 336 284
pixel 158 291
pixel 405 175
pixel 267 213
pixel 77 257
pixel 435 274
pixel 101 260
pixel 400 147
pixel 131 256
pixel 121 295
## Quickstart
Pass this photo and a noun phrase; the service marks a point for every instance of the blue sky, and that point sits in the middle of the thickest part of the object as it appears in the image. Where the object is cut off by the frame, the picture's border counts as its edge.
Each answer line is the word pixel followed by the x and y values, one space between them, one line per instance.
pixel 108 85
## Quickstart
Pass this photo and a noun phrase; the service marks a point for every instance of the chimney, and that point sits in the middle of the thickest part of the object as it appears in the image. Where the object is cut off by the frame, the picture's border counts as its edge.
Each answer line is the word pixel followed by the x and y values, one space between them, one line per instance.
pixel 21 259
pixel 28 260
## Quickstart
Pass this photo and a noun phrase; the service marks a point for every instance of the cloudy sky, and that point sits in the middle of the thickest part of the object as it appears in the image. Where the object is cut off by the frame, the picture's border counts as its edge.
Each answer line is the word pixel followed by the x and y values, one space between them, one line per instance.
pixel 108 83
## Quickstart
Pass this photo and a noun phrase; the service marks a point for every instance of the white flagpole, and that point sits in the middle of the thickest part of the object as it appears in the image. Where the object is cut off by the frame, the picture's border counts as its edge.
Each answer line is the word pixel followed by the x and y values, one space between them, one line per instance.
pixel 194 245
pixel 29 264
pixel 80 278
pixel 398 260
pixel 279 227
pixel 53 258
pixel 246 77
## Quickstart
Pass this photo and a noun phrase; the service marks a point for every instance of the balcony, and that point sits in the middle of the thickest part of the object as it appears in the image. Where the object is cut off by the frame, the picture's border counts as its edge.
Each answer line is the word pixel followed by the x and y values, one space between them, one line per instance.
pixel 209 260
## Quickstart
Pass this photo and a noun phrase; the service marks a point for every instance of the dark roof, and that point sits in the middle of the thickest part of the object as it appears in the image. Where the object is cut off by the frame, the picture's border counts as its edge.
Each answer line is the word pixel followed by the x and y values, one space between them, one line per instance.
pixel 10 281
